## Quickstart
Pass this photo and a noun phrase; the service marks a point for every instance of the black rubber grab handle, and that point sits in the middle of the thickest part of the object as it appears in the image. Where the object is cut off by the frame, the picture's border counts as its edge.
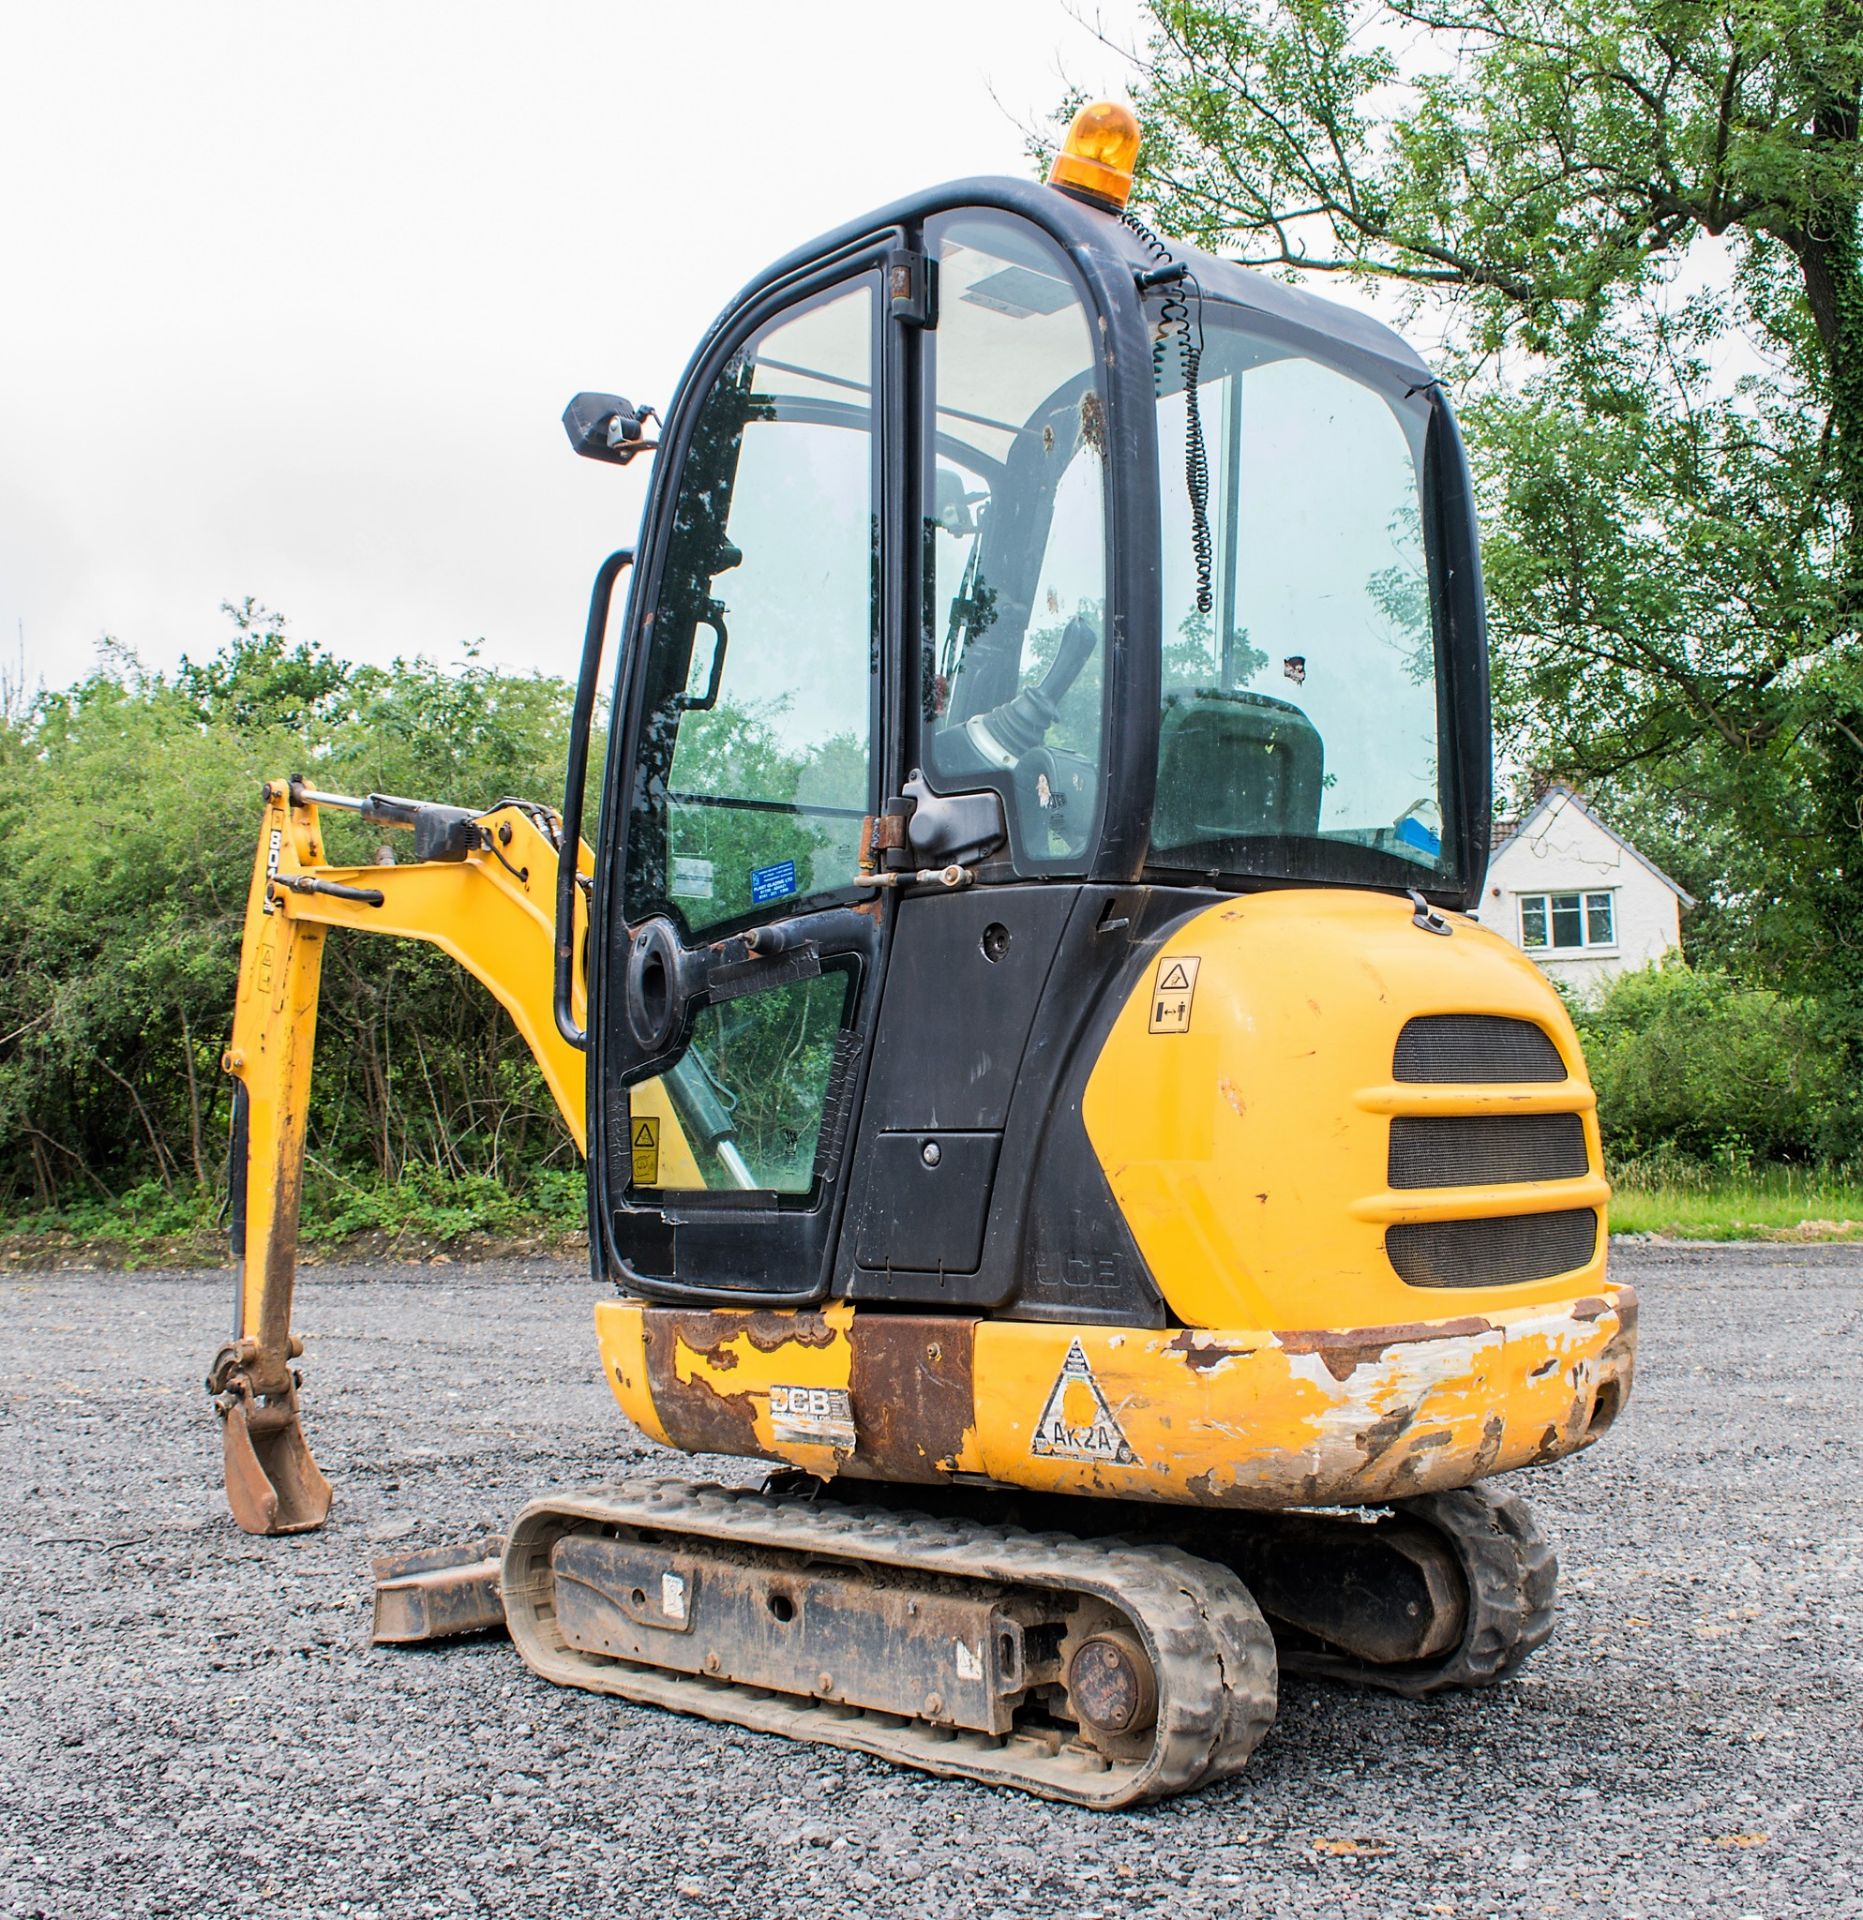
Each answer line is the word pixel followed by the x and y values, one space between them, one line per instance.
pixel 582 720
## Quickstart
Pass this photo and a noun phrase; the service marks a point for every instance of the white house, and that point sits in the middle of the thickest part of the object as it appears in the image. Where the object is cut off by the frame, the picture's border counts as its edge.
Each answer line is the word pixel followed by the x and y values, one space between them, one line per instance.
pixel 1583 902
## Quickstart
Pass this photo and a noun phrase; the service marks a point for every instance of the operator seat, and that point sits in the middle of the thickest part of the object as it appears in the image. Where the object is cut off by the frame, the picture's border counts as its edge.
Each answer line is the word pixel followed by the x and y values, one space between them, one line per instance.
pixel 1234 766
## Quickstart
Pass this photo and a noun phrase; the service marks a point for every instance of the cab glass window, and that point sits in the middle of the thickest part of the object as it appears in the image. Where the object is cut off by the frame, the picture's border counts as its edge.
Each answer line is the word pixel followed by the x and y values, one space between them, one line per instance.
pixel 1013 682
pixel 1300 729
pixel 754 754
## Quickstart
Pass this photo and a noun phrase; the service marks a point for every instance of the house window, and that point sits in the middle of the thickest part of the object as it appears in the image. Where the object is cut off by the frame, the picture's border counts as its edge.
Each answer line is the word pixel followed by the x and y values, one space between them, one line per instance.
pixel 1574 921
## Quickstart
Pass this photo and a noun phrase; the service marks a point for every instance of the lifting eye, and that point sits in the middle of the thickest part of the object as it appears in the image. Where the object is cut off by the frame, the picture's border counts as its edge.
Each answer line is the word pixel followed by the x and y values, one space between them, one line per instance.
pixel 1604 1409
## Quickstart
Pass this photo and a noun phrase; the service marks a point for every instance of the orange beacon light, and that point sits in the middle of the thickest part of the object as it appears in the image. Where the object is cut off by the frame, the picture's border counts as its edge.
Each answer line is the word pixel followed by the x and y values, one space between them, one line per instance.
pixel 1098 155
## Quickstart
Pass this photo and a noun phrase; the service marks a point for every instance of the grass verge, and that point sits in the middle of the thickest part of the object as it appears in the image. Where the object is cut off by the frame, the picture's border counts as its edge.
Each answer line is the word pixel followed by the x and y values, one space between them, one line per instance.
pixel 432 1216
pixel 1690 1200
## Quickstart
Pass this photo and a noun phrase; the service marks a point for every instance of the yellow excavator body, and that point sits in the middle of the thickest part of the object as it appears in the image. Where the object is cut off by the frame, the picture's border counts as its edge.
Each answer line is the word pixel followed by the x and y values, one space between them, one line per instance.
pixel 1250 1151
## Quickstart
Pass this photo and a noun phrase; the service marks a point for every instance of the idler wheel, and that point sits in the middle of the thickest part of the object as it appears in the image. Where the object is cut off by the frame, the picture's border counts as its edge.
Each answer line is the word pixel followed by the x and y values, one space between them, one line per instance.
pixel 1112 1686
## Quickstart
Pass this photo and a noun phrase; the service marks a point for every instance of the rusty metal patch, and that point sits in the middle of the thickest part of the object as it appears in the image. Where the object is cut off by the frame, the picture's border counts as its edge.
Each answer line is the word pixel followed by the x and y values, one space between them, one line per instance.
pixel 1344 1350
pixel 914 1399
pixel 1620 1350
pixel 696 1416
pixel 1384 1433
pixel 767 1330
pixel 1200 1351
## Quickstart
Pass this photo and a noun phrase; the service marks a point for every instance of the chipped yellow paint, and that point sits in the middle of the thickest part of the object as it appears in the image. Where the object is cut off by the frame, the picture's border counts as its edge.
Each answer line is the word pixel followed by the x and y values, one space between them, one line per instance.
pixel 1259 1419
pixel 1222 1418
pixel 621 1338
pixel 740 1357
pixel 1249 1155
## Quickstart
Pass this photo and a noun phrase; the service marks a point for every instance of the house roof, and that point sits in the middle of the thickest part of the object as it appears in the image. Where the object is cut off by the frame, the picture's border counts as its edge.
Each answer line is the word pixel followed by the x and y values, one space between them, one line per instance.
pixel 1507 831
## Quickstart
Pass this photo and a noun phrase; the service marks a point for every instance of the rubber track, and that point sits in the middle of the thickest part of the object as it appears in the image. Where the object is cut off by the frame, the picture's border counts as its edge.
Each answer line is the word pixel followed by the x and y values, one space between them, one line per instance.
pixel 1212 1650
pixel 1511 1577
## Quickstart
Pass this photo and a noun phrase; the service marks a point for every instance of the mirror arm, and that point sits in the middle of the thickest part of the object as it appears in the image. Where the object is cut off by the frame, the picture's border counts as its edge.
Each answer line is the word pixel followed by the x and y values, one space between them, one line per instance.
pixel 581 722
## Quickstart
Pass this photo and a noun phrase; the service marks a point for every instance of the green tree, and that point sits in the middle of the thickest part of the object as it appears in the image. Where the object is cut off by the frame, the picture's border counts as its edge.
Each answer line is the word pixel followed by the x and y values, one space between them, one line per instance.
pixel 260 678
pixel 1641 217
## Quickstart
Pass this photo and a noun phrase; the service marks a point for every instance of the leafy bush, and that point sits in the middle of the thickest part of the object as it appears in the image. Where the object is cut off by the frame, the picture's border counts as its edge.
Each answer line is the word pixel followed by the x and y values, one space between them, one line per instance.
pixel 129 809
pixel 1692 1063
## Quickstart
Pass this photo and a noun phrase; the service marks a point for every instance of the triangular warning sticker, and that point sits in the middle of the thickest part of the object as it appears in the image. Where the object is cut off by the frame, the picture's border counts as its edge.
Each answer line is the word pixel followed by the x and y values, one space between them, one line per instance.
pixel 1176 980
pixel 644 1138
pixel 1077 1423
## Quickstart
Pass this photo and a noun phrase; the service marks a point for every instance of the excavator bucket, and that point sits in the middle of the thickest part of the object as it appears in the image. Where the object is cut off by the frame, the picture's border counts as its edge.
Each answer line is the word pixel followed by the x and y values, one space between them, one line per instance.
pixel 272 1483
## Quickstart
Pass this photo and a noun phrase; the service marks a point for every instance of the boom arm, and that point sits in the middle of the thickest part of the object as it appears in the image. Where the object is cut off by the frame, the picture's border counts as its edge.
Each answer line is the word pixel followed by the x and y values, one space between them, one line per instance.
pixel 484 894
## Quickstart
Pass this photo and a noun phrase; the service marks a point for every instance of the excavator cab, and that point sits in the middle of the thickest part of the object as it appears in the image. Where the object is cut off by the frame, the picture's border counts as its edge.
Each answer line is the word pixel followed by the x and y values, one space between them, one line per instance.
pixel 1044 1091
pixel 1011 586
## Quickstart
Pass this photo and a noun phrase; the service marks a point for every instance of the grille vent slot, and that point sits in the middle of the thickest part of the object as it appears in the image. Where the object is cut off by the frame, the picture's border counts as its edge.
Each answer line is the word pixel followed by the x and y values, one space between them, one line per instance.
pixel 1485 1253
pixel 1485 1150
pixel 1470 1049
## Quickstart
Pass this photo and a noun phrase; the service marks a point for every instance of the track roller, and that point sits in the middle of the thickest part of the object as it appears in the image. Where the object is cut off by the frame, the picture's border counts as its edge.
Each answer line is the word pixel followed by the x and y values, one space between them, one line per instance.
pixel 1093 1671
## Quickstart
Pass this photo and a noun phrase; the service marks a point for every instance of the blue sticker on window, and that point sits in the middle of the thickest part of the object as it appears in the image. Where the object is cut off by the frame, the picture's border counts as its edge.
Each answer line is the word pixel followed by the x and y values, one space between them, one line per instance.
pixel 1414 833
pixel 772 883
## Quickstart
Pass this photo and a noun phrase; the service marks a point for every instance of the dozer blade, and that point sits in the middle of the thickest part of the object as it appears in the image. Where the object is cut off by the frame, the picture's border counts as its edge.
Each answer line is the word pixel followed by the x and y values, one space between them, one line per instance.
pixel 437 1593
pixel 272 1483
pixel 1088 1671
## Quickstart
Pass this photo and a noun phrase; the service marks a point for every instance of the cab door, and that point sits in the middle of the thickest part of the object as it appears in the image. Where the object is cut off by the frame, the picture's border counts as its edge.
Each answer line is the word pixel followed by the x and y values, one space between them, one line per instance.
pixel 739 957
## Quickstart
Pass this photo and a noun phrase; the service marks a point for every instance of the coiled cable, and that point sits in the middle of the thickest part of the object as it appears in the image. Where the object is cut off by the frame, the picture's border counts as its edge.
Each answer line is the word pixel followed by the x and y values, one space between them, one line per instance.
pixel 1174 322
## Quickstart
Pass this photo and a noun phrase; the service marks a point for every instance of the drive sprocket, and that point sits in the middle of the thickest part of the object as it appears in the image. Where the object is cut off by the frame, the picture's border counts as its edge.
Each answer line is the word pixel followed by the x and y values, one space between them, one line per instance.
pixel 1510 1577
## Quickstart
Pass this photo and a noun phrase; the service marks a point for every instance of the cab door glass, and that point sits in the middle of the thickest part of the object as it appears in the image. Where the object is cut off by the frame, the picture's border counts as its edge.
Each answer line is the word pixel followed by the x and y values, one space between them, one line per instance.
pixel 1013 687
pixel 754 750
pixel 748 1094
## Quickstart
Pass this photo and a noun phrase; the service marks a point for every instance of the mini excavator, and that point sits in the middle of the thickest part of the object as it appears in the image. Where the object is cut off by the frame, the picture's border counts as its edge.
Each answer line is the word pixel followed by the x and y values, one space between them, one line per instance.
pixel 1043 1090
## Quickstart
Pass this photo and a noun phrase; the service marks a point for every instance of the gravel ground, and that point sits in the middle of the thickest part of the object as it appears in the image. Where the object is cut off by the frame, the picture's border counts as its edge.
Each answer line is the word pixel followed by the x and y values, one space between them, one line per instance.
pixel 193 1722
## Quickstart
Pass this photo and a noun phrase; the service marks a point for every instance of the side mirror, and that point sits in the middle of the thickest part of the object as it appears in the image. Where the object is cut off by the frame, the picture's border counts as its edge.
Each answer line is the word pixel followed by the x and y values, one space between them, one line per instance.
pixel 603 426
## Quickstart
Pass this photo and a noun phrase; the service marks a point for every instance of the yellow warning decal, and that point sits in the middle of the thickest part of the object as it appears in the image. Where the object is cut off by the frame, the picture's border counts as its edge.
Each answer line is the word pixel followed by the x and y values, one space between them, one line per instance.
pixel 645 1136
pixel 1172 992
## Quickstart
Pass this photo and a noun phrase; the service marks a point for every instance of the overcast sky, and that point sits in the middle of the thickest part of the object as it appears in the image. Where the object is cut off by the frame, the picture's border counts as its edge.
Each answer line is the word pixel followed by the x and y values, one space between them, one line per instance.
pixel 291 296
